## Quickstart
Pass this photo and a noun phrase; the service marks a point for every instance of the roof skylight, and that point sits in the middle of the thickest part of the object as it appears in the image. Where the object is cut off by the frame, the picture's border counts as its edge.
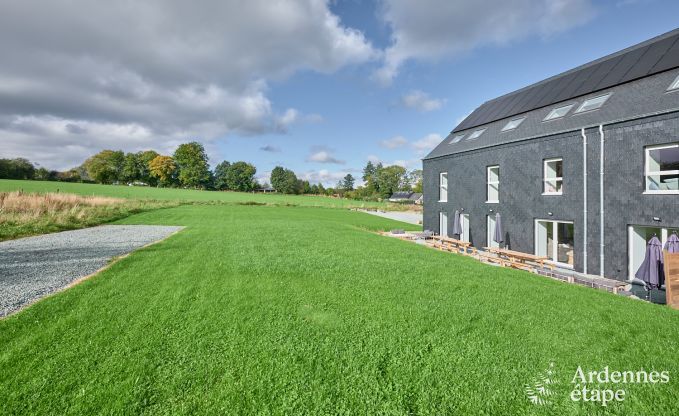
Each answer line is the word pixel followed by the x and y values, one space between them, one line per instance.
pixel 457 138
pixel 476 134
pixel 558 112
pixel 675 85
pixel 593 103
pixel 513 124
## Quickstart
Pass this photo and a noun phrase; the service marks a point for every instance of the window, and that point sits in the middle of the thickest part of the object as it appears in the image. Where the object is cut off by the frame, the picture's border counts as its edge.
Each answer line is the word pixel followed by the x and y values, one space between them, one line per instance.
pixel 558 112
pixel 476 134
pixel 457 138
pixel 443 224
pixel 554 240
pixel 637 239
pixel 675 85
pixel 593 103
pixel 552 177
pixel 513 124
pixel 662 169
pixel 493 181
pixel 490 231
pixel 443 187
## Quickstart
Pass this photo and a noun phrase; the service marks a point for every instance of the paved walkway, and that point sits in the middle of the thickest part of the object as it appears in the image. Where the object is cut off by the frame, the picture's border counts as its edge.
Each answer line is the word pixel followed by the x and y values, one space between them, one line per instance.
pixel 33 267
pixel 405 216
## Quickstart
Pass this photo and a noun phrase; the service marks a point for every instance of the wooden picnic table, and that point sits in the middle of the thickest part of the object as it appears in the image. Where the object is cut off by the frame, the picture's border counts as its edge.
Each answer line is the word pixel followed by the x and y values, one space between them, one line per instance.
pixel 519 257
pixel 447 243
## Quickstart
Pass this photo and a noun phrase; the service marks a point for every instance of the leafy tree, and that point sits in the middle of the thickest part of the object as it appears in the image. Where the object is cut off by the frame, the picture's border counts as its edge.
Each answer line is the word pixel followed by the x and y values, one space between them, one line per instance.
pixel 106 166
pixel 164 169
pixel 306 187
pixel 321 189
pixel 390 179
pixel 241 177
pixel 144 159
pixel 191 160
pixel 221 171
pixel 314 189
pixel 348 182
pixel 131 169
pixel 16 169
pixel 370 176
pixel 416 180
pixel 283 180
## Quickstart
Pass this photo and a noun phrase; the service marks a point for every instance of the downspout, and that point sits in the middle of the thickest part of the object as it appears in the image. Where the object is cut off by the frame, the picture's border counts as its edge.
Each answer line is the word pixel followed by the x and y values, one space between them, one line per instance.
pixel 584 189
pixel 601 199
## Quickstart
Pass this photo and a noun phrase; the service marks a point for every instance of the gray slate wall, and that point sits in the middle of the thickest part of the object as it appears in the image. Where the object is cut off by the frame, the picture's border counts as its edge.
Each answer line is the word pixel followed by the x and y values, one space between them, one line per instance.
pixel 522 202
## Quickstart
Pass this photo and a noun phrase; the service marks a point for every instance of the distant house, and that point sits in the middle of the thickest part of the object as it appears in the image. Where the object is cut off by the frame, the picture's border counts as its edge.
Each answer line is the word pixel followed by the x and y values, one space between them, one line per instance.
pixel 265 190
pixel 416 197
pixel 413 197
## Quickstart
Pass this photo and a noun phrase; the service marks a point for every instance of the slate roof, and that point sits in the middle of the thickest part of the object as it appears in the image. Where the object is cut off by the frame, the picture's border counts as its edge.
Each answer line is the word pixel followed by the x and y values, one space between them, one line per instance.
pixel 651 57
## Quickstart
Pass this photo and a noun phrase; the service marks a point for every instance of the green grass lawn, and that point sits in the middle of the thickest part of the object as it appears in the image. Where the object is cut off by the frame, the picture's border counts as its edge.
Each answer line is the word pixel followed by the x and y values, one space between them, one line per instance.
pixel 145 192
pixel 294 310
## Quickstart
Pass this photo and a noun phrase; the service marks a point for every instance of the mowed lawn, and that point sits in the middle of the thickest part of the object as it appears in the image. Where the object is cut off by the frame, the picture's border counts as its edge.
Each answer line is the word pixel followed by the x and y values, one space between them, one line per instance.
pixel 146 192
pixel 293 310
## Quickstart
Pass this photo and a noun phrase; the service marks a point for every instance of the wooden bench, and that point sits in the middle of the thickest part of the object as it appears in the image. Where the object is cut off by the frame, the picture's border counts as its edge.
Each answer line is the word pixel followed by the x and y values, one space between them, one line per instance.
pixel 521 258
pixel 453 245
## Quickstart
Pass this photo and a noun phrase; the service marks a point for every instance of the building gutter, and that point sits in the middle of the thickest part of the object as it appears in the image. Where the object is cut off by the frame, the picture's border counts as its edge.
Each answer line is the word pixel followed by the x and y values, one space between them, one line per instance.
pixel 601 199
pixel 584 208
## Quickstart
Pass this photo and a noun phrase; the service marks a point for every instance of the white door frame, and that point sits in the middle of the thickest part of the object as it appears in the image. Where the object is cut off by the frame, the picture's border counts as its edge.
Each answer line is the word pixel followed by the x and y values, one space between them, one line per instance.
pixel 443 224
pixel 555 241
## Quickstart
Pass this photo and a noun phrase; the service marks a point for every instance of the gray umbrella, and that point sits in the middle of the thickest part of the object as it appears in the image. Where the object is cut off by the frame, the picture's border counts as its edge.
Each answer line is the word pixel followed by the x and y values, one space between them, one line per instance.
pixel 672 244
pixel 651 270
pixel 457 227
pixel 498 236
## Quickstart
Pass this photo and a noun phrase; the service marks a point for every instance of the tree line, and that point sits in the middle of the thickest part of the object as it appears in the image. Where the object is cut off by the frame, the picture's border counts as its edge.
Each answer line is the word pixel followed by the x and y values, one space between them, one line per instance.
pixel 188 167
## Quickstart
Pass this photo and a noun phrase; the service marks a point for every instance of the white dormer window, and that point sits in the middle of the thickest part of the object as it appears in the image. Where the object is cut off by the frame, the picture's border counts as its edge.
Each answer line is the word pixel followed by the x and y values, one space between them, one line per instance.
pixel 476 134
pixel 457 138
pixel 675 85
pixel 593 103
pixel 513 124
pixel 558 112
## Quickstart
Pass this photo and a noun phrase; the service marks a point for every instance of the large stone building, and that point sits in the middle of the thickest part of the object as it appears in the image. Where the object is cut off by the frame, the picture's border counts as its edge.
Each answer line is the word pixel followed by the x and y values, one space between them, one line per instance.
pixel 583 166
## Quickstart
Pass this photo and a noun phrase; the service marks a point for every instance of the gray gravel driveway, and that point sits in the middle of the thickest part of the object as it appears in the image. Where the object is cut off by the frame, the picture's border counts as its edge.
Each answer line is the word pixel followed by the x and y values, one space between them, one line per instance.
pixel 33 267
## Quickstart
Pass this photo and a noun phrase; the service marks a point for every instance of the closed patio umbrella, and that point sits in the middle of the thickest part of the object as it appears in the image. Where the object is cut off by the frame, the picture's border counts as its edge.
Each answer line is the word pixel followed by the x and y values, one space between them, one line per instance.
pixel 651 270
pixel 672 244
pixel 457 227
pixel 498 235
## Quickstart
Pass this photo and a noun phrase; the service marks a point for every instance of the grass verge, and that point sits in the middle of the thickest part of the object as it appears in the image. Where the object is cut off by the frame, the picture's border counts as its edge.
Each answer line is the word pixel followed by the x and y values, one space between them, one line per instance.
pixel 24 214
pixel 292 310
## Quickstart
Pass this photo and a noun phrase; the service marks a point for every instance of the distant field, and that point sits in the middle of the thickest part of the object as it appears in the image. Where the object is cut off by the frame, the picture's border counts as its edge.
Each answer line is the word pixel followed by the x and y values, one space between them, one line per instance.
pixel 297 310
pixel 121 191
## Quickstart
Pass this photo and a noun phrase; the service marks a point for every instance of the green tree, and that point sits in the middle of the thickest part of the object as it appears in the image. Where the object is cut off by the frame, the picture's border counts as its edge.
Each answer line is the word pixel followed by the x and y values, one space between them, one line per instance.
pixel 347 183
pixel 390 179
pixel 16 169
pixel 164 169
pixel 144 159
pixel 191 160
pixel 131 171
pixel 370 176
pixel 241 177
pixel 106 166
pixel 221 171
pixel 283 180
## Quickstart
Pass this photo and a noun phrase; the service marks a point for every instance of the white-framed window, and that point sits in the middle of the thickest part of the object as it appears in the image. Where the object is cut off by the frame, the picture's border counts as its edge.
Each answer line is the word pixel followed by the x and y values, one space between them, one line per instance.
pixel 558 112
pixel 554 240
pixel 674 85
pixel 476 134
pixel 593 103
pixel 457 138
pixel 637 239
pixel 493 184
pixel 552 176
pixel 443 224
pixel 443 187
pixel 662 169
pixel 512 124
pixel 490 231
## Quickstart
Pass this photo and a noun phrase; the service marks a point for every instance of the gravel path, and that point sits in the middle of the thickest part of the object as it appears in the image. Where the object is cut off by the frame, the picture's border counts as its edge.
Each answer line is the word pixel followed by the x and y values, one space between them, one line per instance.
pixel 405 216
pixel 33 267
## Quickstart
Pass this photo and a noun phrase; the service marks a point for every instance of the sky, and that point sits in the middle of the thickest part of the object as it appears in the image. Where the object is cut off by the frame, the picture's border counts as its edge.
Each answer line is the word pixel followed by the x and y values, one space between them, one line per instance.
pixel 316 86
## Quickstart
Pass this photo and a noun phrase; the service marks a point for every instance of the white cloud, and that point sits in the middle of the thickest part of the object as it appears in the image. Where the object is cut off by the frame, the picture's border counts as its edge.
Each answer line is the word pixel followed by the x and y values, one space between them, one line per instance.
pixel 176 71
pixel 421 101
pixel 394 143
pixel 322 155
pixel 433 29
pixel 327 177
pixel 428 142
